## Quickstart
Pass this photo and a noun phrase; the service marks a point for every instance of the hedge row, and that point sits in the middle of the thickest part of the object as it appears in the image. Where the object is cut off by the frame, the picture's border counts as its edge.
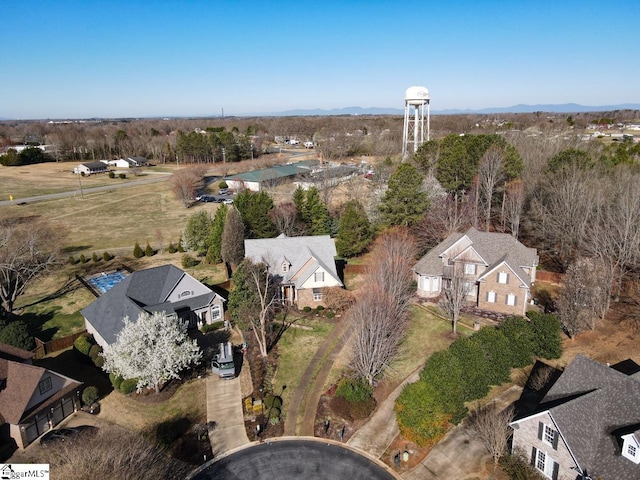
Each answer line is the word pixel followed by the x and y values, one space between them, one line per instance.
pixel 467 370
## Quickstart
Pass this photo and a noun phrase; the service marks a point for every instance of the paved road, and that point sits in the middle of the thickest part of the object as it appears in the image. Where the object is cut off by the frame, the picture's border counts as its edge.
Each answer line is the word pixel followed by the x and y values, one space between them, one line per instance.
pixel 295 459
pixel 87 191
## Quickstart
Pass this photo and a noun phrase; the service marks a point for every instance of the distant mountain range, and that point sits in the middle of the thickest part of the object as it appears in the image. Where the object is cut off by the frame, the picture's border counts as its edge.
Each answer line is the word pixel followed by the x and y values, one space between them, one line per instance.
pixel 520 108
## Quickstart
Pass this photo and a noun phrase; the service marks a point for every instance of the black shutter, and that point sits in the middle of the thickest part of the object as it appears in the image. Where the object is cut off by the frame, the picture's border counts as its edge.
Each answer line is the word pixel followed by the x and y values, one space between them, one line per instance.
pixel 540 430
pixel 533 456
pixel 555 440
pixel 554 475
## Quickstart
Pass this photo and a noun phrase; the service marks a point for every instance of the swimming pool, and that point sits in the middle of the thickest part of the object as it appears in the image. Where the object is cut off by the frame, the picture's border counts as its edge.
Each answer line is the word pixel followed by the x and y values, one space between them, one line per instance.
pixel 106 281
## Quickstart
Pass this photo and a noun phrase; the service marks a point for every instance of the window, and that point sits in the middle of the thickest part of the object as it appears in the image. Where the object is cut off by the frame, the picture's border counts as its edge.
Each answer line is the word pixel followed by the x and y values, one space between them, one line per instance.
pixel 503 277
pixel 511 299
pixel 285 267
pixel 632 450
pixel 186 293
pixel 546 465
pixel 317 295
pixel 435 284
pixel 491 297
pixel 549 435
pixel 44 385
pixel 469 269
pixel 215 312
pixel 203 318
pixel 318 276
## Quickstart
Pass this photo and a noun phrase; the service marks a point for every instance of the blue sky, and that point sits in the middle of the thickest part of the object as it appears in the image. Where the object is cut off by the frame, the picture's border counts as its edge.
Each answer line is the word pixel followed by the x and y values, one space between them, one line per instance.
pixel 80 59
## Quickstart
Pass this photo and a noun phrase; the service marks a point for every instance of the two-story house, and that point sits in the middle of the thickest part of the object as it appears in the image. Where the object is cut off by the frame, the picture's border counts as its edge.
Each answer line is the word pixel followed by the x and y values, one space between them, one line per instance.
pixel 159 289
pixel 32 399
pixel 587 426
pixel 499 269
pixel 302 266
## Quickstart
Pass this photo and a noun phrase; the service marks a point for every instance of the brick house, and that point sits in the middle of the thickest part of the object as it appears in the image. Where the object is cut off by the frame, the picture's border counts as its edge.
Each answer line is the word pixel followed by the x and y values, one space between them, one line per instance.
pixel 499 269
pixel 302 266
pixel 587 426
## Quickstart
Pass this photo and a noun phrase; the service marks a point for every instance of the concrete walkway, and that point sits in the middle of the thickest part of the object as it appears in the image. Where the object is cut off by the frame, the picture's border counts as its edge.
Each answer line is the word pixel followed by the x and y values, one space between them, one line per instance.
pixel 224 410
pixel 378 433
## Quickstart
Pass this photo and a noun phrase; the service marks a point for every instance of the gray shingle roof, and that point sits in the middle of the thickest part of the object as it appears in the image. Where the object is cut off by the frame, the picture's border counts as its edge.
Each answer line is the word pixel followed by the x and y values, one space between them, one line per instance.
pixel 300 252
pixel 589 403
pixel 494 248
pixel 145 290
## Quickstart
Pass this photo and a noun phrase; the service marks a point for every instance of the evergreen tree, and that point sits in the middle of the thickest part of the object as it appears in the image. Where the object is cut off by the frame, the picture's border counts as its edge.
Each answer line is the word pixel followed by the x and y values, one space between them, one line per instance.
pixel 300 201
pixel 214 253
pixel 405 202
pixel 137 251
pixel 148 251
pixel 317 214
pixel 354 233
pixel 197 231
pixel 254 210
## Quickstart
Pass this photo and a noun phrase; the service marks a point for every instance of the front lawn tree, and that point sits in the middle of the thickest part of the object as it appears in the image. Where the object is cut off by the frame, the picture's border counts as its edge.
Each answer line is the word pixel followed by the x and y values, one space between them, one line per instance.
pixel 253 300
pixel 232 247
pixel 491 425
pixel 27 251
pixel 154 349
pixel 454 294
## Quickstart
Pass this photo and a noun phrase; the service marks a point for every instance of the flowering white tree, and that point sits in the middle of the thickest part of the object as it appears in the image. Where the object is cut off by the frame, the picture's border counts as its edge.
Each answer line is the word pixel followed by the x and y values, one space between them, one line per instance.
pixel 153 349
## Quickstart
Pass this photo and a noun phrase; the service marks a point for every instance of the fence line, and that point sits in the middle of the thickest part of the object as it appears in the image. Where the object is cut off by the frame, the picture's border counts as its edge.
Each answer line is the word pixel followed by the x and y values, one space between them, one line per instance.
pixel 44 348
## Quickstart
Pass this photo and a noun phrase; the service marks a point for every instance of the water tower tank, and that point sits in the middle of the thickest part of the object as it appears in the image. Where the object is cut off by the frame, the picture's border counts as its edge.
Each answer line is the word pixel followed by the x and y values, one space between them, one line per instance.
pixel 416 96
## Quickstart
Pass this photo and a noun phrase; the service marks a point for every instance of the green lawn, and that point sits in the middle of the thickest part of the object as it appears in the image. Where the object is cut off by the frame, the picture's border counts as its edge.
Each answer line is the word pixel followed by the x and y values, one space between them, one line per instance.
pixel 296 348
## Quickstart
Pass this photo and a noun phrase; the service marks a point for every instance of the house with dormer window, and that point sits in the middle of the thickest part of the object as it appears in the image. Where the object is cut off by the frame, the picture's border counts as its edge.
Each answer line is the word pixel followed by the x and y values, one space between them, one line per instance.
pixel 159 289
pixel 500 269
pixel 303 267
pixel 587 426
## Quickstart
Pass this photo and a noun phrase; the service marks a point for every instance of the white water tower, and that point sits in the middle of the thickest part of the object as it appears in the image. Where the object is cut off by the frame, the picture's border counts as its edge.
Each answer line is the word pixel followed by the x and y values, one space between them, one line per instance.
pixel 415 99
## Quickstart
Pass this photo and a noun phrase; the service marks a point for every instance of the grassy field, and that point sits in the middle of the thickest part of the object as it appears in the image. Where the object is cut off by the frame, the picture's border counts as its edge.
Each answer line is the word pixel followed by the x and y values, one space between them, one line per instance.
pixel 296 348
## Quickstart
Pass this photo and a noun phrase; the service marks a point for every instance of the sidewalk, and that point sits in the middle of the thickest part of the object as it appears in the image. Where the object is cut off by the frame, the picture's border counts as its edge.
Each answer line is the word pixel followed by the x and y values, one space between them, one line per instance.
pixel 379 432
pixel 224 409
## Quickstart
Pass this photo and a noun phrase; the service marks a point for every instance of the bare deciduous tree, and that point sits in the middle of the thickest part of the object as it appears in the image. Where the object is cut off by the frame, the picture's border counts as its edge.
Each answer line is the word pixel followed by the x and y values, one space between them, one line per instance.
pixel 232 250
pixel 489 175
pixel 286 219
pixel 492 427
pixel 186 182
pixel 455 290
pixel 379 318
pixel 513 204
pixel 576 299
pixel 27 250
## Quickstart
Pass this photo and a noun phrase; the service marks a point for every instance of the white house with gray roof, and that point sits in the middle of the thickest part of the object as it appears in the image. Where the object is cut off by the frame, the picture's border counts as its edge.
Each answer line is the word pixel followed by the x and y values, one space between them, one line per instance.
pixel 302 266
pixel 158 289
pixel 499 268
pixel 587 426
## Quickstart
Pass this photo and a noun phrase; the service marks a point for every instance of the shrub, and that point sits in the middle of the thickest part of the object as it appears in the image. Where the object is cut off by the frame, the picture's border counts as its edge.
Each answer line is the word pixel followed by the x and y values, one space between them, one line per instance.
pixel 188 261
pixel 306 309
pixel 112 174
pixel 94 257
pixel 122 176
pixel 330 314
pixel 82 344
pixel 272 401
pixel 274 413
pixel 171 248
pixel 210 327
pixel 99 361
pixel 82 258
pixel 72 260
pixel 180 247
pixel 547 335
pixel 137 251
pixel 116 380
pixel 129 385
pixel 148 251
pixel 319 308
pixel 420 415
pixel 354 389
pixel 443 372
pixel 90 395
pixel 517 467
pixel 94 351
pixel 106 256
pixel 223 184
pixel 16 333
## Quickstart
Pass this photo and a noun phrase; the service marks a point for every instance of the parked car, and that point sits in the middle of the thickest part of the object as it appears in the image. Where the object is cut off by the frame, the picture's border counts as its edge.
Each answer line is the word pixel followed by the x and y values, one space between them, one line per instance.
pixel 228 201
pixel 224 191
